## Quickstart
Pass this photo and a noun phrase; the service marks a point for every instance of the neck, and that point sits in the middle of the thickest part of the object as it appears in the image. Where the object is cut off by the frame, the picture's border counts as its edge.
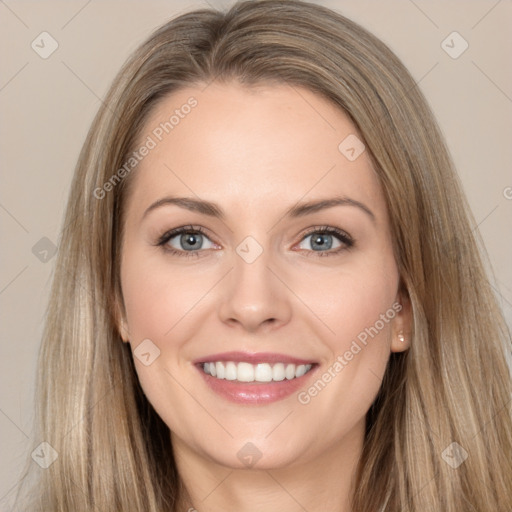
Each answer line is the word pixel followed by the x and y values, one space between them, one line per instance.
pixel 322 484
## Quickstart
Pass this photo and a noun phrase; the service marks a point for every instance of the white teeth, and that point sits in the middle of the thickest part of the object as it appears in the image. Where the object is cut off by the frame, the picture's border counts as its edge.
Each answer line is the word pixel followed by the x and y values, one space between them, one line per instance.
pixel 278 372
pixel 289 372
pixel 245 372
pixel 300 371
pixel 261 372
pixel 221 372
pixel 231 371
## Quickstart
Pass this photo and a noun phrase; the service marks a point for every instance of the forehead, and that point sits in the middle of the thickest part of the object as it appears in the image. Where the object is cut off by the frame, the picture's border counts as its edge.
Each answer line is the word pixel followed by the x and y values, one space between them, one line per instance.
pixel 252 147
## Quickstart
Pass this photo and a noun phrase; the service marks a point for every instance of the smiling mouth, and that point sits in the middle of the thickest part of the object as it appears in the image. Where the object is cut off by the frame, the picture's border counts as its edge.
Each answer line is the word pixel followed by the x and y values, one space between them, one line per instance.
pixel 260 372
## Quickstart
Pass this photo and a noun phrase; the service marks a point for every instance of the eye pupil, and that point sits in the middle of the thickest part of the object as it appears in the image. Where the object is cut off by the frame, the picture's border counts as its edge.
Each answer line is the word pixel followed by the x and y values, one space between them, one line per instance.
pixel 190 238
pixel 320 241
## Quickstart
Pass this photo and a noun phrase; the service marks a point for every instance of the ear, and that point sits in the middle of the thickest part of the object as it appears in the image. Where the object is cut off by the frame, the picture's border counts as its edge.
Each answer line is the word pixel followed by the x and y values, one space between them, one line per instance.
pixel 120 321
pixel 401 331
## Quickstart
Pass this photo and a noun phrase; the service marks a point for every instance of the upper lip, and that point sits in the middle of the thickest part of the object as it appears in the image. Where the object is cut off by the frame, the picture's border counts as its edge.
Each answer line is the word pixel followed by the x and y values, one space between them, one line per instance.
pixel 253 357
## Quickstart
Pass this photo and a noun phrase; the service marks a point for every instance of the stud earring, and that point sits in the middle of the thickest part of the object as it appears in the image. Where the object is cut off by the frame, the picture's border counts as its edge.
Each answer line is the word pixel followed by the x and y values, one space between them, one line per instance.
pixel 401 337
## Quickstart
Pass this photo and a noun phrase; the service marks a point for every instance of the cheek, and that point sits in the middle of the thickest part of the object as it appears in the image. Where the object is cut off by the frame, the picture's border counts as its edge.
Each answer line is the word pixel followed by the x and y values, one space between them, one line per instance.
pixel 342 305
pixel 365 311
pixel 358 309
pixel 157 299
pixel 351 304
pixel 160 307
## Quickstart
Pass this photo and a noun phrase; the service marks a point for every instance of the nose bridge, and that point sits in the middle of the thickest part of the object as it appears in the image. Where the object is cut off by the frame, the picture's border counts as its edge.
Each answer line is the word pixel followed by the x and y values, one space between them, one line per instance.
pixel 254 296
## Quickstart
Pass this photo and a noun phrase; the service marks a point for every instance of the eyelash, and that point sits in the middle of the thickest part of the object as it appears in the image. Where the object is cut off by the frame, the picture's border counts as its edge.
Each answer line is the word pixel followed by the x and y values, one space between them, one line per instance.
pixel 338 233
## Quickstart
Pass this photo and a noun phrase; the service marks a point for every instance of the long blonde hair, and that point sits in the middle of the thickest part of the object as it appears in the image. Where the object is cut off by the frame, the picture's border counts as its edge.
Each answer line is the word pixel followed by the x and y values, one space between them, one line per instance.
pixel 452 386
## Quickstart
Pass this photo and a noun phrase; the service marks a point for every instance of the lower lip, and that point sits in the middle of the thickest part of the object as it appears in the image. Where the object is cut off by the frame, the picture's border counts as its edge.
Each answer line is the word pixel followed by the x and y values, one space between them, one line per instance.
pixel 255 392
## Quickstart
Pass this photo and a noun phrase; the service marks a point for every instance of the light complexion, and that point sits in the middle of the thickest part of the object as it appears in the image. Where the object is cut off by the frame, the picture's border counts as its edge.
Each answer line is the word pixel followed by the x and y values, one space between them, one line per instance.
pixel 257 153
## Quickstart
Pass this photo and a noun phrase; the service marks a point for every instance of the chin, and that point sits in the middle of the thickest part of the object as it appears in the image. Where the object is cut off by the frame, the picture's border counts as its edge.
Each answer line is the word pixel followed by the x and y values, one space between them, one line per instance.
pixel 254 454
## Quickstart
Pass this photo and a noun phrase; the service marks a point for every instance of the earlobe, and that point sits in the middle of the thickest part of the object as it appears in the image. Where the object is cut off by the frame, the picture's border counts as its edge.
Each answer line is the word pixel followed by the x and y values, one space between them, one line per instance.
pixel 401 332
pixel 120 321
pixel 123 330
pixel 400 342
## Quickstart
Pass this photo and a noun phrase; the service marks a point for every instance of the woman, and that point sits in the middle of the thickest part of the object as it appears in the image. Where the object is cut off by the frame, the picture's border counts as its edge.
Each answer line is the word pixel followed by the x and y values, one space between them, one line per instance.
pixel 204 352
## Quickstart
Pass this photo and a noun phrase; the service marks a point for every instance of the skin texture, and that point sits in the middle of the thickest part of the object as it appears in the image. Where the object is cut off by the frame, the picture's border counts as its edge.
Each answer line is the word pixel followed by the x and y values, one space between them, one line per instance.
pixel 257 152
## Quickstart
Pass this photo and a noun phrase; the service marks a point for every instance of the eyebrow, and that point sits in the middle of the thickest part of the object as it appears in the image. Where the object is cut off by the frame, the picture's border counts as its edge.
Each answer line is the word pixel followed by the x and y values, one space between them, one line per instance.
pixel 299 210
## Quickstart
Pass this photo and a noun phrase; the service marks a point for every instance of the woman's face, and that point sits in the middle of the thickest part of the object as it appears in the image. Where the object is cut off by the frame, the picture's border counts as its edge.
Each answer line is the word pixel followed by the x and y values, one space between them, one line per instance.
pixel 260 292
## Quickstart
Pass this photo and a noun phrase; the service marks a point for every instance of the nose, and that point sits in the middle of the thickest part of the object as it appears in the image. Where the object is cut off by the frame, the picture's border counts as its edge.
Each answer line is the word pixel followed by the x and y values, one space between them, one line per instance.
pixel 255 297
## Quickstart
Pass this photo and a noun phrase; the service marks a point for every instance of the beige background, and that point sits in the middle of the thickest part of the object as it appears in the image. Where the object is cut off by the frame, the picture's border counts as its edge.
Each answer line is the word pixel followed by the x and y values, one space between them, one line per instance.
pixel 48 104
